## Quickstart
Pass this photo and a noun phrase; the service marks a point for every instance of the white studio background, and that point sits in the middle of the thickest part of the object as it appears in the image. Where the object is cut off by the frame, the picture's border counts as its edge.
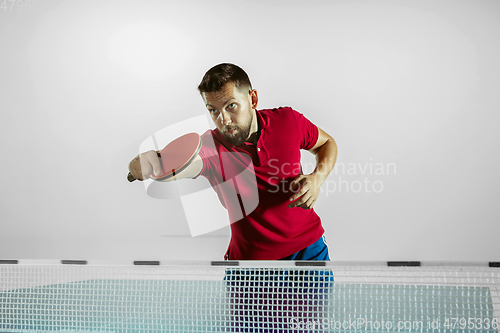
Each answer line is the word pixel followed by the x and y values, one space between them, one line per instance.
pixel 408 89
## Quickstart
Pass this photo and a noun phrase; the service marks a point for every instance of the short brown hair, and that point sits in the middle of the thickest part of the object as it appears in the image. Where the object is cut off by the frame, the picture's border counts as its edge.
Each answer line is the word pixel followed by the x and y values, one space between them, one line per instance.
pixel 218 76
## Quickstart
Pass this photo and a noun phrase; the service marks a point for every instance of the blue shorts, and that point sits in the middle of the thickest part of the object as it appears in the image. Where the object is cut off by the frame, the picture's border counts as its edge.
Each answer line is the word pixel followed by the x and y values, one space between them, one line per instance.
pixel 316 251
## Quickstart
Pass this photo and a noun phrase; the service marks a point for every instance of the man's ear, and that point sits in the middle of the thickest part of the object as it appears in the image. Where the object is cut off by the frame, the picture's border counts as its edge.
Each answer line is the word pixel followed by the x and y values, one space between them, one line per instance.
pixel 254 97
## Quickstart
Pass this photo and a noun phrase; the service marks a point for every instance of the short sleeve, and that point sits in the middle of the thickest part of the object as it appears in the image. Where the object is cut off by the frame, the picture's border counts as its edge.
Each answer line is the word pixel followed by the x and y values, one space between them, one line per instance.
pixel 307 130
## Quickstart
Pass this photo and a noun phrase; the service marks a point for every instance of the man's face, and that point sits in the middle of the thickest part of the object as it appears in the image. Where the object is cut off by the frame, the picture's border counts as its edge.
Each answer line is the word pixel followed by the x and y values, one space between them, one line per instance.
pixel 232 111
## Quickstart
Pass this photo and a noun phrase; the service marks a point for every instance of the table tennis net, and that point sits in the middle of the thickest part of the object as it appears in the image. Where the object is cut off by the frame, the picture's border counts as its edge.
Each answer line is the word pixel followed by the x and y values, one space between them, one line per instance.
pixel 286 298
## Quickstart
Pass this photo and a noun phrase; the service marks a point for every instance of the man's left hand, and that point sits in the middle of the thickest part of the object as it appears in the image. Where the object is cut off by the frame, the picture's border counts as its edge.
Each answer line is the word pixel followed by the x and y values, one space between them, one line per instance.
pixel 306 189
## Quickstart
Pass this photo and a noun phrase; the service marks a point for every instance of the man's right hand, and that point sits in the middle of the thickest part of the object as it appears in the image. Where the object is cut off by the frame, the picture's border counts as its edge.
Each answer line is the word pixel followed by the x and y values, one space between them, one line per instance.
pixel 144 164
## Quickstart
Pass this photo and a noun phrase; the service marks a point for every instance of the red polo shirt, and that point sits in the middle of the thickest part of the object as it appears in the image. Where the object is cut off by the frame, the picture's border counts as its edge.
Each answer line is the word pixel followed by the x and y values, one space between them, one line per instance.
pixel 252 183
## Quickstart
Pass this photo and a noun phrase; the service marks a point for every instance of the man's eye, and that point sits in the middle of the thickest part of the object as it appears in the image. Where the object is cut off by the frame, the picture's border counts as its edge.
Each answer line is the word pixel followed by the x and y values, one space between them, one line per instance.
pixel 232 105
pixel 212 110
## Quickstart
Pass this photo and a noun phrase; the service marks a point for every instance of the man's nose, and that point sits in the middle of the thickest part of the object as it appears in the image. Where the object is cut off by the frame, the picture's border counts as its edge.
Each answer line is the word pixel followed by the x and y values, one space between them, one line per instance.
pixel 225 119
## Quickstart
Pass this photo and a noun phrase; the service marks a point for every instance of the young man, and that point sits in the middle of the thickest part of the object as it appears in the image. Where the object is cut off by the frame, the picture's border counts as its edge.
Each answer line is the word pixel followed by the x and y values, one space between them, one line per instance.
pixel 283 225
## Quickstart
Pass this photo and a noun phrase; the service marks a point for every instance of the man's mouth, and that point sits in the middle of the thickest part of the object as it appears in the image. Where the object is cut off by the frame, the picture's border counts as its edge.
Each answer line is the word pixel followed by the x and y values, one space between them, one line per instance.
pixel 231 131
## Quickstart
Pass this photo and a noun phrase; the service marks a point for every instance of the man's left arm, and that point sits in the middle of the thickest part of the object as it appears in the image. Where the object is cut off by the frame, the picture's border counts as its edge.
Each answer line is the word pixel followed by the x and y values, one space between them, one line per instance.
pixel 307 187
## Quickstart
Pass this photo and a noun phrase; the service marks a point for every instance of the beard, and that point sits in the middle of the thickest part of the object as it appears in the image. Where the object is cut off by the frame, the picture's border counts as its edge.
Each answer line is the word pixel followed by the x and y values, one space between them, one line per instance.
pixel 239 135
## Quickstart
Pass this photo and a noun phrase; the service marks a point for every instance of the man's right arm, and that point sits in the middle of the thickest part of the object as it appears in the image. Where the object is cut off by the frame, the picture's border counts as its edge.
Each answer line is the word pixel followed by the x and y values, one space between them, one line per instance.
pixel 145 164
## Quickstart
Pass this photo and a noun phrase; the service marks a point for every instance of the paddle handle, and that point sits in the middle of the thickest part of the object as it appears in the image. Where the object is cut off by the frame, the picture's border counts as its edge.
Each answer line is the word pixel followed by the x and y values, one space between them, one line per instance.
pixel 130 178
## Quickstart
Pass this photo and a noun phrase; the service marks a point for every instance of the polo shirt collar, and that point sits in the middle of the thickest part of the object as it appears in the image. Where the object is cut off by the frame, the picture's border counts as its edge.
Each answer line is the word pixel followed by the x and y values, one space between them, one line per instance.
pixel 264 121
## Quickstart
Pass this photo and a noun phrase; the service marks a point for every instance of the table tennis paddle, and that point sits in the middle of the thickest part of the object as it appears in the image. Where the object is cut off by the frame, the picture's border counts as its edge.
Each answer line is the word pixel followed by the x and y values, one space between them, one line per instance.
pixel 176 156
